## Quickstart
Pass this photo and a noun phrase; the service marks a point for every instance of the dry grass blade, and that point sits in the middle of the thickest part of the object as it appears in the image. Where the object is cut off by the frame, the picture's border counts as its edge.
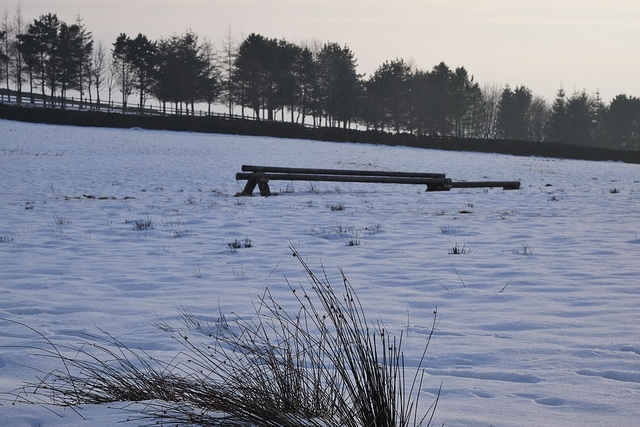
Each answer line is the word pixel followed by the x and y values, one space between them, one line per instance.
pixel 321 365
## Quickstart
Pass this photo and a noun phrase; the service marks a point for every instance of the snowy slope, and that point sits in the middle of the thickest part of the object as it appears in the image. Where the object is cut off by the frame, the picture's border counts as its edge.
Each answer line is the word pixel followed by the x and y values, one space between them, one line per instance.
pixel 538 319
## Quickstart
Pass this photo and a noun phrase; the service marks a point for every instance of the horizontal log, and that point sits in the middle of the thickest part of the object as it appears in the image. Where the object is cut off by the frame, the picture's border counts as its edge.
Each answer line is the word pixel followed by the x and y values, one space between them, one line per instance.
pixel 343 172
pixel 507 185
pixel 342 178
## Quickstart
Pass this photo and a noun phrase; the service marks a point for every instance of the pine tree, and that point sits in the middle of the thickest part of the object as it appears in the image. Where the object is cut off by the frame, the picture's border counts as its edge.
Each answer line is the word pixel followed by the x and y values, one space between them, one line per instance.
pixel 557 125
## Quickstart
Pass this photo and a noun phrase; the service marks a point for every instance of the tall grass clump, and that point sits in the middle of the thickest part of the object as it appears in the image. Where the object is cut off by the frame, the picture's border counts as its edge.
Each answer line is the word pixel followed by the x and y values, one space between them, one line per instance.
pixel 321 364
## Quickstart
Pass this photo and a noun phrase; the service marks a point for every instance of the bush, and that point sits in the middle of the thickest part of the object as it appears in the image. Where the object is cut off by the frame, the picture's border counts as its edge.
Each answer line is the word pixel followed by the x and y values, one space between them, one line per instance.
pixel 320 366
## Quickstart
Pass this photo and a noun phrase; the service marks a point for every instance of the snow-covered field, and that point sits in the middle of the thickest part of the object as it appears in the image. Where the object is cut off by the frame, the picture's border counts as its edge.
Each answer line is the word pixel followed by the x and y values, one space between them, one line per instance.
pixel 539 318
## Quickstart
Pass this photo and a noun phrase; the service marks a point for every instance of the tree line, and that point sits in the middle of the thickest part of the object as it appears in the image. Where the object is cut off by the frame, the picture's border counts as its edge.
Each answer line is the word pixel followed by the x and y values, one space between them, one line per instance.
pixel 312 83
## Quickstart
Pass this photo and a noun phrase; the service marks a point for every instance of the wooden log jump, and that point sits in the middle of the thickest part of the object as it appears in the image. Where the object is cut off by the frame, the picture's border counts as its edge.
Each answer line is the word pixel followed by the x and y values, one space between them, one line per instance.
pixel 261 175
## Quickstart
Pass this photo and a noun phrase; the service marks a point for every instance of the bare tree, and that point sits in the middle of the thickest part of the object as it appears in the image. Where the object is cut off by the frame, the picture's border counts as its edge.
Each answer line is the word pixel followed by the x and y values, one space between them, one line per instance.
pixel 230 52
pixel 491 93
pixel 113 69
pixel 539 113
pixel 98 69
pixel 6 31
pixel 15 53
pixel 315 45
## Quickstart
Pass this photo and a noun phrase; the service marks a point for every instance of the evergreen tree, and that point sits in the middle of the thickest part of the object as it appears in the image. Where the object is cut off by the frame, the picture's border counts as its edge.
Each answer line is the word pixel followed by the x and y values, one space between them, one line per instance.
pixel 306 77
pixel 253 73
pixel 84 55
pixel 513 121
pixel 465 98
pixel 339 85
pixel 286 78
pixel 621 123
pixel 581 119
pixel 389 88
pixel 143 56
pixel 28 48
pixel 557 129
pixel 68 50
pixel 123 67
pixel 185 73
pixel 137 58
pixel 38 47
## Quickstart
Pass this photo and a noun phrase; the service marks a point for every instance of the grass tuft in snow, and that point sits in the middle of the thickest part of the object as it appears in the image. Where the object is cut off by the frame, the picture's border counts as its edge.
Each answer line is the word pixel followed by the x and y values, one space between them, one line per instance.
pixel 142 224
pixel 456 249
pixel 354 240
pixel 238 244
pixel 321 364
pixel 526 250
pixel 61 221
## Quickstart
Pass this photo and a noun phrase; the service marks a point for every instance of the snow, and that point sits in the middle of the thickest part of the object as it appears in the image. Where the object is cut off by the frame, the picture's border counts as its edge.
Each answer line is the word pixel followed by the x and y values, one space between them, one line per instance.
pixel 538 324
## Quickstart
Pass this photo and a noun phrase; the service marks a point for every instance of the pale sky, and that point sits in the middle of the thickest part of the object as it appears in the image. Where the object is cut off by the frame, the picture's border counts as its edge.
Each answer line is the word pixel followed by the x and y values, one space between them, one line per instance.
pixel 542 44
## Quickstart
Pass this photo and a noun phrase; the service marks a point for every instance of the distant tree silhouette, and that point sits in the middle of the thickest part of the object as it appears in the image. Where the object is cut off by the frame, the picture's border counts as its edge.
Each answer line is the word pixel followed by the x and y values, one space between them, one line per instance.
pixel 621 123
pixel 388 90
pixel 465 97
pixel 557 126
pixel 37 45
pixel 253 72
pixel 186 72
pixel 209 80
pixel 431 102
pixel 4 58
pixel 5 30
pixel 339 85
pixel 143 56
pixel 305 92
pixel 573 120
pixel 513 112
pixel 581 117
pixel 72 49
pixel 420 118
pixel 286 77
pixel 485 123
pixel 98 69
pixel 28 47
pixel 15 67
pixel 229 54
pixel 137 59
pixel 84 54
pixel 538 119
pixel 123 66
pixel 277 79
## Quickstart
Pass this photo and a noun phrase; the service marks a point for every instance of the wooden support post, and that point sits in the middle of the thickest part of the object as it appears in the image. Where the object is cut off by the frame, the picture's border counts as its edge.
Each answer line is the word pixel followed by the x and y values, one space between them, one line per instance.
pixel 263 185
pixel 251 185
